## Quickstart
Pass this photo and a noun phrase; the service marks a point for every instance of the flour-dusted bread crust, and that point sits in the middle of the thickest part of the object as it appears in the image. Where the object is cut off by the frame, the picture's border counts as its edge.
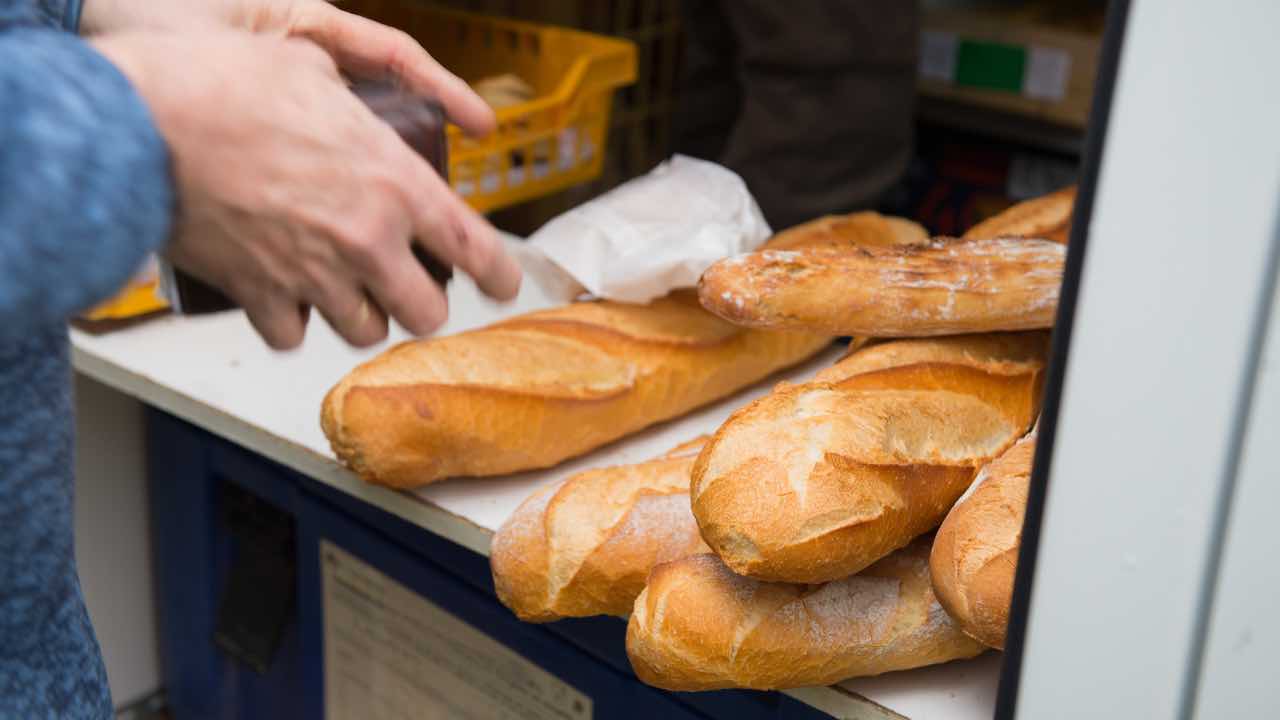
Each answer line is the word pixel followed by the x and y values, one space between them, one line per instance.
pixel 585 546
pixel 698 626
pixel 975 555
pixel 815 482
pixel 860 229
pixel 1048 217
pixel 947 287
pixel 537 389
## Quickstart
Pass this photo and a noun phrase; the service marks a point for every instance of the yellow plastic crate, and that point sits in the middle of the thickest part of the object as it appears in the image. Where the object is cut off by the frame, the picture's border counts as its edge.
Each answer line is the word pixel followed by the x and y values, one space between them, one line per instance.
pixel 552 142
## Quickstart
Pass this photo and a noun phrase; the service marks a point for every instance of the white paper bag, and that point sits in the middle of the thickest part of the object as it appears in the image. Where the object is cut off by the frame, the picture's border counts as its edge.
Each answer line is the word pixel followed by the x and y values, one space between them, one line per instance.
pixel 651 235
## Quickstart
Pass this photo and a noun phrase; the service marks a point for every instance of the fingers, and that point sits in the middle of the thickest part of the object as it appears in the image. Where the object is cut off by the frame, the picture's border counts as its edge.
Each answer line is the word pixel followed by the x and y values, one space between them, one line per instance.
pixel 483 256
pixel 364 46
pixel 409 295
pixel 278 319
pixel 349 311
pixel 456 234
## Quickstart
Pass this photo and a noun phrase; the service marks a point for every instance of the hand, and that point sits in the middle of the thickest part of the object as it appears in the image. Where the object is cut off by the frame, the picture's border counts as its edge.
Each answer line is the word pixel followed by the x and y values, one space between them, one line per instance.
pixel 357 44
pixel 292 193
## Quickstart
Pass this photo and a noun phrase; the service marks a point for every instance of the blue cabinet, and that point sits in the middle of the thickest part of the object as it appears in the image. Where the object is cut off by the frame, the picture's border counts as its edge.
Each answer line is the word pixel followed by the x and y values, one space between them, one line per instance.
pixel 238 543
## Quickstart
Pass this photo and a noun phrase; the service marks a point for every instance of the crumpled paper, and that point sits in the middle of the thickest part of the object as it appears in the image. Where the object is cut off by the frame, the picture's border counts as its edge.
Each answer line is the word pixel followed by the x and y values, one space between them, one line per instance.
pixel 649 236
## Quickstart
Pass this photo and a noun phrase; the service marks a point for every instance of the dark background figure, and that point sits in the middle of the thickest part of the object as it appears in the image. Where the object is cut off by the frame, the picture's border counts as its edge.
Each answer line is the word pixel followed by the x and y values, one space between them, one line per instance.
pixel 811 102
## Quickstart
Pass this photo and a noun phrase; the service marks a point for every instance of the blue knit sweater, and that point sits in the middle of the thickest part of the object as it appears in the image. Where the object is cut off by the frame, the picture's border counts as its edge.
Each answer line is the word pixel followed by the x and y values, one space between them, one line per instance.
pixel 85 193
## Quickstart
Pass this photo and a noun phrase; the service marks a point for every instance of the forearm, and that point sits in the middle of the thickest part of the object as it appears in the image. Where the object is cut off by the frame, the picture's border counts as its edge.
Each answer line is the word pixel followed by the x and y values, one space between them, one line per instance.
pixel 85 186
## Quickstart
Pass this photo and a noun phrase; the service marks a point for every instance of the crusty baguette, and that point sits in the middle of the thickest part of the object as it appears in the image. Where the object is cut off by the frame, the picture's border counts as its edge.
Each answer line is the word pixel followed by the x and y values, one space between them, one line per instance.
pixel 698 626
pixel 1004 370
pixel 865 229
pixel 1048 217
pixel 815 482
pixel 976 552
pixel 537 389
pixel 1007 354
pixel 586 546
pixel 948 287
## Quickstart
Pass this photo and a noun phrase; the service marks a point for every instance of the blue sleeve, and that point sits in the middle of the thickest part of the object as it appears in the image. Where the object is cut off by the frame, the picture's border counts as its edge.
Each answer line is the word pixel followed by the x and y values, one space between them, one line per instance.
pixel 67 13
pixel 85 184
pixel 63 14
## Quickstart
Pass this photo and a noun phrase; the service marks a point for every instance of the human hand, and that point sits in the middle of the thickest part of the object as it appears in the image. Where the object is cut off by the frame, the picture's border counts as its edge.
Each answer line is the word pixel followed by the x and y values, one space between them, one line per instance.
pixel 358 45
pixel 292 193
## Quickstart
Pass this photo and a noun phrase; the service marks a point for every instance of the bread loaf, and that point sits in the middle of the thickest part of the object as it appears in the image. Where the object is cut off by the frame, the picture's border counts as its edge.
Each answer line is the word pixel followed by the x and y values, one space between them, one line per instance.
pixel 698 626
pixel 536 389
pixel 815 482
pixel 947 287
pixel 1003 370
pixel 1047 217
pixel 503 91
pixel 976 553
pixel 586 546
pixel 865 229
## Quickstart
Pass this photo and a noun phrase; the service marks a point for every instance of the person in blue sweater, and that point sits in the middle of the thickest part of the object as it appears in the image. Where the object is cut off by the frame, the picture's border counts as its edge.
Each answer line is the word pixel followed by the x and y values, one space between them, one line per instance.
pixel 219 132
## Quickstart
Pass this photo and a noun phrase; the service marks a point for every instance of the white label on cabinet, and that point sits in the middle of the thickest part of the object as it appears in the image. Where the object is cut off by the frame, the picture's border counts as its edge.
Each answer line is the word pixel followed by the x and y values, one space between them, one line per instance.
pixel 1048 70
pixel 391 654
pixel 938 52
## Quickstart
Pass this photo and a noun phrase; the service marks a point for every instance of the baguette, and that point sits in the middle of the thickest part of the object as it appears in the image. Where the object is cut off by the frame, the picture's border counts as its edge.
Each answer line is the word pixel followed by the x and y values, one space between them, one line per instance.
pixel 815 482
pixel 975 555
pixel 1003 370
pixel 860 229
pixel 585 546
pixel 997 353
pixel 1047 217
pixel 539 388
pixel 698 626
pixel 947 287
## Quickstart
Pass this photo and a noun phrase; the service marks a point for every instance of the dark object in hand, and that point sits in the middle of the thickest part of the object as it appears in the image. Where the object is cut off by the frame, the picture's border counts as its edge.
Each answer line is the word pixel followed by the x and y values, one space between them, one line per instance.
pixel 420 122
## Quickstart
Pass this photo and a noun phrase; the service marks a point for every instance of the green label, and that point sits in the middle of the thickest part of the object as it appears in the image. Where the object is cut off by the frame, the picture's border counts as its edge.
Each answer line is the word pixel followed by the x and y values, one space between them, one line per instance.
pixel 990 65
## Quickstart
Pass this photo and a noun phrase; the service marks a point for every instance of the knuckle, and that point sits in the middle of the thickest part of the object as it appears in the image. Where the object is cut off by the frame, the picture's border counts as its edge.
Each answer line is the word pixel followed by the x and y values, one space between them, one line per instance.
pixel 312 274
pixel 404 51
pixel 440 234
pixel 304 50
pixel 362 238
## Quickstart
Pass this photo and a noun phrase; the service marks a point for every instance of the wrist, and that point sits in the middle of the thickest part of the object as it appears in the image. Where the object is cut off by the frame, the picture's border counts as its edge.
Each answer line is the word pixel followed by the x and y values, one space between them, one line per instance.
pixel 116 49
pixel 96 16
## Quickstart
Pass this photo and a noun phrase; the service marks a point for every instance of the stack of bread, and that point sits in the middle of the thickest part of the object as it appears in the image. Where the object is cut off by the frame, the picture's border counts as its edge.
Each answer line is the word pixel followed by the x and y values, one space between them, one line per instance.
pixel 793 546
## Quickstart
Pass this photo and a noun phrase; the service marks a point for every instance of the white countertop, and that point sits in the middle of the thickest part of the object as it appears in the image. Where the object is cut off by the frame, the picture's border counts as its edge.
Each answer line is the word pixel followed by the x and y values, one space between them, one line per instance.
pixel 214 372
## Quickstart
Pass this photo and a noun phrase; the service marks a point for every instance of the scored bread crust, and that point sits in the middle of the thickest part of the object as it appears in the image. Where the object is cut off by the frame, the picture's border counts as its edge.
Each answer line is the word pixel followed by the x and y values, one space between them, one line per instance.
pixel 815 482
pixel 1047 216
pixel 539 388
pixel 975 555
pixel 698 626
pixel 947 287
pixel 864 229
pixel 585 546
pixel 1001 353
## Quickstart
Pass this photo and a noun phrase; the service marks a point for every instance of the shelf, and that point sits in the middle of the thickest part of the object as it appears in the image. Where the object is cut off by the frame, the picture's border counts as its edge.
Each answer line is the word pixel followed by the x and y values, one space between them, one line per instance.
pixel 1019 62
